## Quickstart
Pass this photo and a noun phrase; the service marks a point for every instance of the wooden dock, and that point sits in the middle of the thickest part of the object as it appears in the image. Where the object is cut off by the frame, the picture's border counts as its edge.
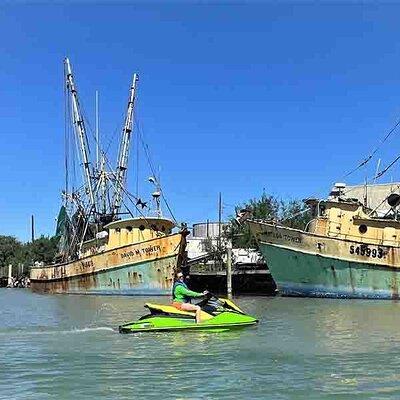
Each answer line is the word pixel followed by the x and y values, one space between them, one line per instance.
pixel 251 280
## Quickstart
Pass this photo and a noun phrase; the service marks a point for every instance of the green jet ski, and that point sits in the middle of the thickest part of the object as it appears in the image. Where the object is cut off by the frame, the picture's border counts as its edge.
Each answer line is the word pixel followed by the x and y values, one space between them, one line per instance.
pixel 217 314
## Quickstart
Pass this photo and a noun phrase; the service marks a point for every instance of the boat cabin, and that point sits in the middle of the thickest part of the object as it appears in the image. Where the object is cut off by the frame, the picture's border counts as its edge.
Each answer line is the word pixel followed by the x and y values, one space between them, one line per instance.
pixel 127 231
pixel 350 219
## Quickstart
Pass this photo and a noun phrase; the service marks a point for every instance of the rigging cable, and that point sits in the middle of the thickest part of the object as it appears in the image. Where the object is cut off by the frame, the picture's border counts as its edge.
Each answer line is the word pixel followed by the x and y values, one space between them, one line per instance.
pixel 129 195
pixel 104 153
pixel 291 216
pixel 379 174
pixel 370 156
pixel 147 153
pixel 146 150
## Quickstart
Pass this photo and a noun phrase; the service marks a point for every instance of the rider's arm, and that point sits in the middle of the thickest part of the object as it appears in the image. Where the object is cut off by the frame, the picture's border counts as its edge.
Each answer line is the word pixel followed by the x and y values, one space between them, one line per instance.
pixel 186 292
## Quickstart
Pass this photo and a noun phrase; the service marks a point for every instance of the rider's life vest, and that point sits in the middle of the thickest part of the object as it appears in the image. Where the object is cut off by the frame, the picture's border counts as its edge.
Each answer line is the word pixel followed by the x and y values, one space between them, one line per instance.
pixel 176 284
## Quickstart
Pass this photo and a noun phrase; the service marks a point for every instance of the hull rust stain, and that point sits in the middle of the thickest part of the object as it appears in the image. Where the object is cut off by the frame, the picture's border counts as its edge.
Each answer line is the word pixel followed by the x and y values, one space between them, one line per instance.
pixel 305 264
pixel 141 268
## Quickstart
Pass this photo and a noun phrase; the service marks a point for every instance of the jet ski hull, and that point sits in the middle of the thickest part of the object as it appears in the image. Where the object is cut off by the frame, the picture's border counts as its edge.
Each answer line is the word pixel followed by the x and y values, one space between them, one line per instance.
pixel 224 321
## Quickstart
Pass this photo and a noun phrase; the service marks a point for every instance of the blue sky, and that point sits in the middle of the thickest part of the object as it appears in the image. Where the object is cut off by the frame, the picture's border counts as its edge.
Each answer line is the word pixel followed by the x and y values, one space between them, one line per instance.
pixel 232 97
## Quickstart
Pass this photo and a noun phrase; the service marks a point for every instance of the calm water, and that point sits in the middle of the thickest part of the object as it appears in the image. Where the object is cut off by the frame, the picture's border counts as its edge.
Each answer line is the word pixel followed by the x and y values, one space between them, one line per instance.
pixel 63 347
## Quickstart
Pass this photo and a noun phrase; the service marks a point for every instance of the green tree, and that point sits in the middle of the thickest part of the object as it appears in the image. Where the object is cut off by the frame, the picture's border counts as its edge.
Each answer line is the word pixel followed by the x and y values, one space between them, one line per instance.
pixel 295 214
pixel 215 248
pixel 42 249
pixel 10 250
pixel 16 253
pixel 292 213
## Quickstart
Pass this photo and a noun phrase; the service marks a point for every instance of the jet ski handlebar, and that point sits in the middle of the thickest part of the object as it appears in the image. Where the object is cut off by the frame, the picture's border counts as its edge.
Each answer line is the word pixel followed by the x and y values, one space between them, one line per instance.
pixel 206 298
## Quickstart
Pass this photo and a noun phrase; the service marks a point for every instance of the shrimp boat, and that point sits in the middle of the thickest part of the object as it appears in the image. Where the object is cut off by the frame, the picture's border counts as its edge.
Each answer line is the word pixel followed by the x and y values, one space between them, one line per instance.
pixel 347 250
pixel 104 248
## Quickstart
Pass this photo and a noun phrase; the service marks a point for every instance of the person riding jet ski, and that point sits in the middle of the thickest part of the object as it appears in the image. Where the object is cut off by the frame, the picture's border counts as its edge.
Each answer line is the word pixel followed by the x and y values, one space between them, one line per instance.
pixel 181 296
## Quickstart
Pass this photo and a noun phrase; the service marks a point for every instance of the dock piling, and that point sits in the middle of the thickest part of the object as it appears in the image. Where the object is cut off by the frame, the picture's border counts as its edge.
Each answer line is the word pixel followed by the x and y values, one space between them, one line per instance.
pixel 9 277
pixel 229 271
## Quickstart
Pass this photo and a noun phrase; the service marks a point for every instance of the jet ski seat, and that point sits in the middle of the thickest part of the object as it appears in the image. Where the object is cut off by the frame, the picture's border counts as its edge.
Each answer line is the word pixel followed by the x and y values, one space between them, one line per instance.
pixel 164 308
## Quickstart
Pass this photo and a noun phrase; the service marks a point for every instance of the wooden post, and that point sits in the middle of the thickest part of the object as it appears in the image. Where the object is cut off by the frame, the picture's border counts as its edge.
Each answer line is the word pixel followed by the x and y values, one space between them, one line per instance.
pixel 229 271
pixel 219 232
pixel 219 218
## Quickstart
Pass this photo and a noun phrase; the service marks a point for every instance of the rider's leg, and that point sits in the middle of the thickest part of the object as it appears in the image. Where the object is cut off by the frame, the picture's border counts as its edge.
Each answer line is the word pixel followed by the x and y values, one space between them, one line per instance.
pixel 192 307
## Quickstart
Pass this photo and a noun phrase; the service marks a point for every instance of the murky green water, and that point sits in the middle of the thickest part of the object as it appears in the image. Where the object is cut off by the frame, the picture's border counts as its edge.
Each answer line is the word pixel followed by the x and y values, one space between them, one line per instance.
pixel 64 347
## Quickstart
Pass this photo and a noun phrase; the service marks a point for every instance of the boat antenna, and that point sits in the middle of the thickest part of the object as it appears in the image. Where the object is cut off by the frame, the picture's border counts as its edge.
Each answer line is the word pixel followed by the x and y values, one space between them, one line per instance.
pixel 379 174
pixel 366 192
pixel 156 195
pixel 123 155
pixel 377 169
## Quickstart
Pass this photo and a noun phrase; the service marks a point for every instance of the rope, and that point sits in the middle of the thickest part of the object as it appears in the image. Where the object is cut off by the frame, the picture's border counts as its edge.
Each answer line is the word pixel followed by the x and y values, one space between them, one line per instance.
pixel 379 174
pixel 151 166
pixel 90 132
pixel 369 157
pixel 296 214
pixel 126 192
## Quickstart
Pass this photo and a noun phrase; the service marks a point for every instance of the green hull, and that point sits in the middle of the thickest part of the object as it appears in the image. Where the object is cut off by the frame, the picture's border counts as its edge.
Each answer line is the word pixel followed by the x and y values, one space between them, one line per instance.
pixel 224 321
pixel 149 278
pixel 298 273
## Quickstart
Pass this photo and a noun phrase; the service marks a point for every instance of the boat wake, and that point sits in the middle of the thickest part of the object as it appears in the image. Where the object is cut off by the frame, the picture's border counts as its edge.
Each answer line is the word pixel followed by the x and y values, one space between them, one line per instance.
pixel 89 329
pixel 20 332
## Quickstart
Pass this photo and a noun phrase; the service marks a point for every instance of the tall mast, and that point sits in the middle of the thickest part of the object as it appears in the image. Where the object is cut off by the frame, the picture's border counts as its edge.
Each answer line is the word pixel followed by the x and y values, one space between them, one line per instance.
pixel 103 177
pixel 80 131
pixel 123 155
pixel 97 130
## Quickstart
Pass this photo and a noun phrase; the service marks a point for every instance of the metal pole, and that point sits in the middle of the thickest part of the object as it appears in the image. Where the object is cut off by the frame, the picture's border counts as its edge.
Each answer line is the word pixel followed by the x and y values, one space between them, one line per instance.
pixel 123 155
pixel 219 218
pixel 229 271
pixel 80 130
pixel 377 169
pixel 366 193
pixel 219 214
pixel 97 130
pixel 219 226
pixel 32 228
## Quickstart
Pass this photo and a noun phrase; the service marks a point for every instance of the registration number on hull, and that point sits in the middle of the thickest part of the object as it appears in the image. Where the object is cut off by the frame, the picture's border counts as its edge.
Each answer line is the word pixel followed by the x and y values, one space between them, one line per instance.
pixel 366 251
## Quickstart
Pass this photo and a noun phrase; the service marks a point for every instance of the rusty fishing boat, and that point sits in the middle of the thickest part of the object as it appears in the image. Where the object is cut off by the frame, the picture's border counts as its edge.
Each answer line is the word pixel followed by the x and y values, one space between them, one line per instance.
pixel 347 250
pixel 104 247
